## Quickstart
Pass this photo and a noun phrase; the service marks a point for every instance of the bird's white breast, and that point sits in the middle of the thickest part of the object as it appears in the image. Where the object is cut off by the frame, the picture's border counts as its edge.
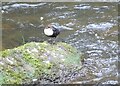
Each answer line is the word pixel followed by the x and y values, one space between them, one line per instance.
pixel 48 32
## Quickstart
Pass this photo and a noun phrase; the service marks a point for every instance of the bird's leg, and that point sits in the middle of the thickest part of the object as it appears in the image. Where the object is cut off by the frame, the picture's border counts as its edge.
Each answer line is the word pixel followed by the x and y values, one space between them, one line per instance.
pixel 50 40
pixel 54 40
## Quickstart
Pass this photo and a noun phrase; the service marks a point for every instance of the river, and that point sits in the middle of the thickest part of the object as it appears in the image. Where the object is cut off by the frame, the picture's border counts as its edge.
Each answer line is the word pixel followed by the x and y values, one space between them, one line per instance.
pixel 95 33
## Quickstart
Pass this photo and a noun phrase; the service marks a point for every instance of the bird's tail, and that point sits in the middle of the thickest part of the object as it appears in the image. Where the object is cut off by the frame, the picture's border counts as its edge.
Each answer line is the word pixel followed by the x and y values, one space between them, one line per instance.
pixel 60 27
pixel 66 28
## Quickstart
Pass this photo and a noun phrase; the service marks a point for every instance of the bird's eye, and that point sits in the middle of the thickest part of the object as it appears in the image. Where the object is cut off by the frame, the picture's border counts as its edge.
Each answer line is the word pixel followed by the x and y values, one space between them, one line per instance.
pixel 48 26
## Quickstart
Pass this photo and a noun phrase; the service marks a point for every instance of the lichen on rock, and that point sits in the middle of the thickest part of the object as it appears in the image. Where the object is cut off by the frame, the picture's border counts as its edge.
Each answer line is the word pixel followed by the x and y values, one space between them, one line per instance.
pixel 33 61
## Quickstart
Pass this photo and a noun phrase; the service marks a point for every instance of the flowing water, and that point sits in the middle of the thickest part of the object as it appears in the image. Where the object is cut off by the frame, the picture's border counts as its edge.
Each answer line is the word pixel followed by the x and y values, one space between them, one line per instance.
pixel 95 33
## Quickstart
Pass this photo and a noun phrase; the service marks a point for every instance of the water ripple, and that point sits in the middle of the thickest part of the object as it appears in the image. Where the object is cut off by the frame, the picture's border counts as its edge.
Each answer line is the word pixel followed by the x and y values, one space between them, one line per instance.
pixel 101 26
pixel 82 6
pixel 6 8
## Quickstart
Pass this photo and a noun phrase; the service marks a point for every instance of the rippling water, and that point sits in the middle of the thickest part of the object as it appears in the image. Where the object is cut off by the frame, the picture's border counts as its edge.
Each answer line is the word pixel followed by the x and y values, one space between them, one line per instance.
pixel 95 33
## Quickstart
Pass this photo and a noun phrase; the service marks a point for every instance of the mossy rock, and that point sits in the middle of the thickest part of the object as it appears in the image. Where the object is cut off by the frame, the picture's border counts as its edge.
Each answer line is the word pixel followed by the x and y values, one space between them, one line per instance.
pixel 34 60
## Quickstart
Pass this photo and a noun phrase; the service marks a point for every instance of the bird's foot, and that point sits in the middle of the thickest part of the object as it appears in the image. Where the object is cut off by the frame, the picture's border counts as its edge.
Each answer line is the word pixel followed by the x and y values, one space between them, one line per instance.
pixel 52 41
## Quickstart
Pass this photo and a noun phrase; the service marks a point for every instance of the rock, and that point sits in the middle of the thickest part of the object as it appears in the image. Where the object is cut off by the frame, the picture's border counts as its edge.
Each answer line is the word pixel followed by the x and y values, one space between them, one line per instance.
pixel 38 63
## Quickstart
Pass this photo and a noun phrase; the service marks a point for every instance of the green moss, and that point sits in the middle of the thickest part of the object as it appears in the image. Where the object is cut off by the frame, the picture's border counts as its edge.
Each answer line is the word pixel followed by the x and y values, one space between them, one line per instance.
pixel 5 53
pixel 30 60
pixel 73 59
pixel 67 47
pixel 12 76
pixel 49 65
pixel 43 46
pixel 1 77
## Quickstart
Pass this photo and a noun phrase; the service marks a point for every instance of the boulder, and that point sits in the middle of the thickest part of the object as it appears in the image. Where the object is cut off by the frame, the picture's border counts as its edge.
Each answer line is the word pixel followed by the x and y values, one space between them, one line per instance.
pixel 43 62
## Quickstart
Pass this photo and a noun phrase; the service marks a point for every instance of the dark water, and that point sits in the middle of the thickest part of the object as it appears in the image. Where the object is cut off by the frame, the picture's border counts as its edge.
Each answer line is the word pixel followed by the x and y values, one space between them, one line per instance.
pixel 95 33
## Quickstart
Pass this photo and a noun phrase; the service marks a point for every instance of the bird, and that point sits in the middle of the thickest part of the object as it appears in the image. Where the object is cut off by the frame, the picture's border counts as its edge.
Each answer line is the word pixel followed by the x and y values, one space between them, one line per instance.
pixel 53 30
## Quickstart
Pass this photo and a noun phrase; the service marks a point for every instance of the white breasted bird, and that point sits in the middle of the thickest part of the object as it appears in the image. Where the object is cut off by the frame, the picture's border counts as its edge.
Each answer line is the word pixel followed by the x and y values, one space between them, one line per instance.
pixel 54 29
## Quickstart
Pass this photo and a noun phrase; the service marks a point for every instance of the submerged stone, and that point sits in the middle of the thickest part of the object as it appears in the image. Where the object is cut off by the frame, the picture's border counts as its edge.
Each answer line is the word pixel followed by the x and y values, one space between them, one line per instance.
pixel 36 61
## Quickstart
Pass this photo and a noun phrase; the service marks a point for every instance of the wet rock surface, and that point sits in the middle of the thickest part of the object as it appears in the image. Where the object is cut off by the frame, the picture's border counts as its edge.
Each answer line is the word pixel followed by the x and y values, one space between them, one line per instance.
pixel 39 63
